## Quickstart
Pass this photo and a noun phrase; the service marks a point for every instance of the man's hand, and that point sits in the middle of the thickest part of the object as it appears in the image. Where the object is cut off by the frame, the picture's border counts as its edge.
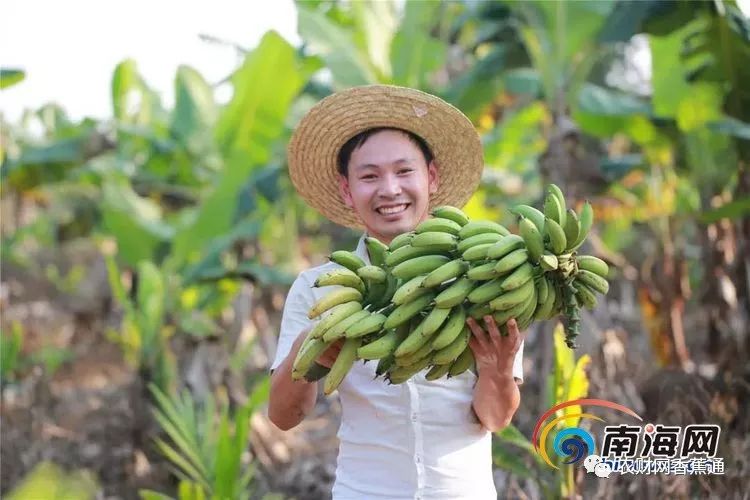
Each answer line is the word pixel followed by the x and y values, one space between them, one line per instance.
pixel 496 394
pixel 493 351
pixel 329 355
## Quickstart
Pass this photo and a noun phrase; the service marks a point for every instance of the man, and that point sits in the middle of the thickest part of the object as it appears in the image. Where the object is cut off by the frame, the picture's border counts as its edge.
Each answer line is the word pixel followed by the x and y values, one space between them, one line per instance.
pixel 380 157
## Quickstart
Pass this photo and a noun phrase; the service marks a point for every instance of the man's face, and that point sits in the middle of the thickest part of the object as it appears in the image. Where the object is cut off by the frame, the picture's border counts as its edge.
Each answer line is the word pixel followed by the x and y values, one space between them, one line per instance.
pixel 389 184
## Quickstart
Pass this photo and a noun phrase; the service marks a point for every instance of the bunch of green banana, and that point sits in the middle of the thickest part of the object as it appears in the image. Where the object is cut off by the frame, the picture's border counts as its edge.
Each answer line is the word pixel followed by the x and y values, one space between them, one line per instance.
pixel 407 308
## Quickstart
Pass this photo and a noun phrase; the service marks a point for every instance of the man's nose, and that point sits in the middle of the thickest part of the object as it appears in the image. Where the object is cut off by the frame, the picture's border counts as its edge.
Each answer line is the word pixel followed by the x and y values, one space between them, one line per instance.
pixel 390 186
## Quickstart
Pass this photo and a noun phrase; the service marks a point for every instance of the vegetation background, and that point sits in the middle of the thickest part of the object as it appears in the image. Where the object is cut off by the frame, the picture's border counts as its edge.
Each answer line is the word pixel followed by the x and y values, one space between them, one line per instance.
pixel 146 256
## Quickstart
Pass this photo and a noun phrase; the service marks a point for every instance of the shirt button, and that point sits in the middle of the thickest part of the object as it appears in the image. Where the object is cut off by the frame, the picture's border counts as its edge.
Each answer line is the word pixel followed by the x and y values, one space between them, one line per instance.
pixel 413 417
pixel 419 459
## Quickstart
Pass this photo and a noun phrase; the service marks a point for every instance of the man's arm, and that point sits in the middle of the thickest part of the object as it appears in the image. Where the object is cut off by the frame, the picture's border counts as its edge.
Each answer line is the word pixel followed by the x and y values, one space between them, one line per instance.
pixel 291 400
pixel 496 394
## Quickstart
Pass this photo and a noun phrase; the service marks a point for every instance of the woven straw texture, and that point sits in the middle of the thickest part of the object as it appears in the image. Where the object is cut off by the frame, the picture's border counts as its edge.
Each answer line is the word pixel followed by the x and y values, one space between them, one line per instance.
pixel 322 132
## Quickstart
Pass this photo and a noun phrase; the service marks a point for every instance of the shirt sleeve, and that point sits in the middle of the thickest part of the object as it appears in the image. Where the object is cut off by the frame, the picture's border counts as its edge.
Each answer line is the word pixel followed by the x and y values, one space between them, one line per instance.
pixel 294 318
pixel 518 364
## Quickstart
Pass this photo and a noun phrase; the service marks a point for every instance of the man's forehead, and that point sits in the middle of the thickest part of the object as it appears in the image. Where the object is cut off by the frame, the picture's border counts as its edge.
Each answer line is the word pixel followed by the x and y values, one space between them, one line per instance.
pixel 382 163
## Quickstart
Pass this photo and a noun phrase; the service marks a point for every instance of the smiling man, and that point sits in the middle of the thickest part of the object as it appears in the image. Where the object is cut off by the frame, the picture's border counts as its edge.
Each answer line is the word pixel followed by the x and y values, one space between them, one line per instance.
pixel 378 158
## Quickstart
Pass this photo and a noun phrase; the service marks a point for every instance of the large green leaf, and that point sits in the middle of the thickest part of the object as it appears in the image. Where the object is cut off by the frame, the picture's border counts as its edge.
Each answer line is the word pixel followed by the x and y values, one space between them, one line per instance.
pixel 414 53
pixel 734 210
pixel 479 85
pixel 135 222
pixel 246 131
pixel 51 482
pixel 194 109
pixel 376 23
pixel 124 81
pixel 336 45
pixel 10 77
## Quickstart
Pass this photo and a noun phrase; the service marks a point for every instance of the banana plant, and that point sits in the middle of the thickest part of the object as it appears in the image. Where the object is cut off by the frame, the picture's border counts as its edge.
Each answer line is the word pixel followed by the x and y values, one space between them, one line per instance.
pixel 513 452
pixel 207 442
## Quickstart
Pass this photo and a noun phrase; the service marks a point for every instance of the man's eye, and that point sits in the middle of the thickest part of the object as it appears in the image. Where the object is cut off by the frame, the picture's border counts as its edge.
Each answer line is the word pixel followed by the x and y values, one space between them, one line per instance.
pixel 405 170
pixel 367 177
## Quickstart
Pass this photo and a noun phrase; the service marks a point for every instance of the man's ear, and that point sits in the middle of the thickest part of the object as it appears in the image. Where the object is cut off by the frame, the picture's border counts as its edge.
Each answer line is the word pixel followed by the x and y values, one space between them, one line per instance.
pixel 346 194
pixel 433 178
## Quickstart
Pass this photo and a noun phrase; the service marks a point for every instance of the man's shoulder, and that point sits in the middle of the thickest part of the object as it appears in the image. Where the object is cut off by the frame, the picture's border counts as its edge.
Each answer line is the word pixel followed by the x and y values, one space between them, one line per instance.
pixel 311 274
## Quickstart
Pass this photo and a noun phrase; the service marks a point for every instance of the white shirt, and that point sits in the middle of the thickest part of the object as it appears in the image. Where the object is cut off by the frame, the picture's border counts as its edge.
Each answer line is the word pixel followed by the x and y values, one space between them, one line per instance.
pixel 417 440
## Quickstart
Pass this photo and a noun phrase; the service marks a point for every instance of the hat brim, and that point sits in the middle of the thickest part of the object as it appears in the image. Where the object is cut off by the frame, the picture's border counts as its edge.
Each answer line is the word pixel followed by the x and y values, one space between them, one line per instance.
pixel 315 144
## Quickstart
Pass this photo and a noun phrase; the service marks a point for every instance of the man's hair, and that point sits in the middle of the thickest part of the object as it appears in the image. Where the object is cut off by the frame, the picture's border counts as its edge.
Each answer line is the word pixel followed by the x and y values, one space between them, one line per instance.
pixel 345 153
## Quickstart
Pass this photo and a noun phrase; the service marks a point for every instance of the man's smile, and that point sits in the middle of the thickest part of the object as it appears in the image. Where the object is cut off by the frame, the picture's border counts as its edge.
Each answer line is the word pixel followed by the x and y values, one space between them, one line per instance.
pixel 392 209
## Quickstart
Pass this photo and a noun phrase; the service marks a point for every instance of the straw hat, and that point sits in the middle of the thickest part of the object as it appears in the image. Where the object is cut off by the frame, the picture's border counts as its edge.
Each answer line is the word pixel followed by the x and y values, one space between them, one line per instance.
pixel 321 133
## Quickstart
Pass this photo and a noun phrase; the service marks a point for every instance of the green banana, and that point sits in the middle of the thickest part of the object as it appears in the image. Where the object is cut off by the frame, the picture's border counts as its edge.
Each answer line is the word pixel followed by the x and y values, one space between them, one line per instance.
pixel 509 299
pixel 344 362
pixel 370 324
pixel 401 374
pixel 552 209
pixel 452 351
pixel 316 372
pixel 332 299
pixel 342 277
pixel 593 264
pixel 452 328
pixel 512 261
pixel 334 316
pixel 438 371
pixel 453 213
pixel 477 252
pixel 572 227
pixel 476 227
pixel 438 224
pixel 480 310
pixel 522 274
pixel 548 261
pixel 584 295
pixel 419 265
pixel 542 288
pixel 348 259
pixel 556 236
pixel 586 221
pixel 555 191
pixel 413 342
pixel 433 321
pixel 486 291
pixel 416 356
pixel 338 330
pixel 478 239
pixel 544 308
pixel 409 290
pixel 405 312
pixel 435 239
pixel 307 356
pixel 502 317
pixel 455 293
pixel 377 250
pixel 483 272
pixel 400 240
pixel 385 345
pixel 505 246
pixel 531 213
pixel 386 292
pixel 447 271
pixel 593 281
pixel 527 315
pixel 533 239
pixel 372 274
pixel 408 252
pixel 462 363
pixel 384 364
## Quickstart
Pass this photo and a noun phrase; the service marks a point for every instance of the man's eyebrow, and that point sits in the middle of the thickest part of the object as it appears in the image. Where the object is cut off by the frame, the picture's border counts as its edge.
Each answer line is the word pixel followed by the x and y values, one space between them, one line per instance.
pixel 400 161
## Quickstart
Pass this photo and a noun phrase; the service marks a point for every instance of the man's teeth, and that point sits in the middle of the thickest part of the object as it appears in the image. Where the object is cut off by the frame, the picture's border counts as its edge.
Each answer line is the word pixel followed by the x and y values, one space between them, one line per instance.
pixel 392 210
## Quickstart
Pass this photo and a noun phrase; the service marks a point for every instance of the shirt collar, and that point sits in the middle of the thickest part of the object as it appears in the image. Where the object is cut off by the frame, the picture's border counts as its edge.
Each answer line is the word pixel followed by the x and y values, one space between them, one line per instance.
pixel 362 249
